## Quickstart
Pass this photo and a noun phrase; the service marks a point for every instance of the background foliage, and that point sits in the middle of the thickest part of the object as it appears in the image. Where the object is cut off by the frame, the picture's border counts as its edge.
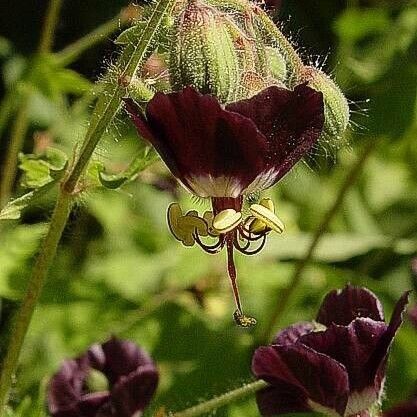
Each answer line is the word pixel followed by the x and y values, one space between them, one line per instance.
pixel 120 272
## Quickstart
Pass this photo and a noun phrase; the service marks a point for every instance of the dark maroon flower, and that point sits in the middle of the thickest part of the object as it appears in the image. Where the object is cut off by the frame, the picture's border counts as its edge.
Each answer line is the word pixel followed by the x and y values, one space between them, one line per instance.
pixel 131 374
pixel 224 152
pixel 336 365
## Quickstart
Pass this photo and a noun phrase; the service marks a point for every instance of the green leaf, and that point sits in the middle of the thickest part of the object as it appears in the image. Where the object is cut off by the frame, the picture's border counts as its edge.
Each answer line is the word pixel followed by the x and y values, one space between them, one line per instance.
pixel 36 173
pixel 14 208
pixel 114 181
pixel 40 170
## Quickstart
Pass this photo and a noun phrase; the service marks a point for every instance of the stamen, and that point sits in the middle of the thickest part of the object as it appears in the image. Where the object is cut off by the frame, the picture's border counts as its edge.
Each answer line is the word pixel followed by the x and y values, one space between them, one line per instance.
pixel 268 217
pixel 211 249
pixel 245 249
pixel 227 220
pixel 246 233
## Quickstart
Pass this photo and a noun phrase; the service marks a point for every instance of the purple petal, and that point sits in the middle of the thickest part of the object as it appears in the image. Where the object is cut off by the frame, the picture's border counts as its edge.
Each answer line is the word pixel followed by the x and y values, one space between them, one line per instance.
pixel 96 357
pixel 291 121
pixel 377 361
pixel 198 139
pixel 292 333
pixel 407 409
pixel 134 392
pixel 66 388
pixel 343 306
pixel 92 403
pixel 121 358
pixel 351 346
pixel 281 398
pixel 299 374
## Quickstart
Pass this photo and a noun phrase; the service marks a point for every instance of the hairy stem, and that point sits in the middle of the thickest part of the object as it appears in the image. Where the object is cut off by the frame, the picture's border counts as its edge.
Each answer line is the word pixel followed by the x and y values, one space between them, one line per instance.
pixel 287 293
pixel 105 110
pixel 24 314
pixel 222 400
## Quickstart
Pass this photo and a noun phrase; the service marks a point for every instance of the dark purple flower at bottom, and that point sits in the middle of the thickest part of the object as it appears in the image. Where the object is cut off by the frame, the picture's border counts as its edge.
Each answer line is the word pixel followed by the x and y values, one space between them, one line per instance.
pixel 131 374
pixel 335 366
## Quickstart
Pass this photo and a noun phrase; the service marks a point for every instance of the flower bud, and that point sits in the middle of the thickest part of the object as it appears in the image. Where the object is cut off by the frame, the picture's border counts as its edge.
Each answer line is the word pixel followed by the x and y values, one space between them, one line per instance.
pixel 203 53
pixel 276 63
pixel 336 107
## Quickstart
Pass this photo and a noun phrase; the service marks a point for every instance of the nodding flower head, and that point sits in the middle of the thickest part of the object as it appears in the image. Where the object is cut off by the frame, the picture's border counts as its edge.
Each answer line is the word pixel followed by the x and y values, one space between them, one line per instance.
pixel 335 365
pixel 132 379
pixel 224 152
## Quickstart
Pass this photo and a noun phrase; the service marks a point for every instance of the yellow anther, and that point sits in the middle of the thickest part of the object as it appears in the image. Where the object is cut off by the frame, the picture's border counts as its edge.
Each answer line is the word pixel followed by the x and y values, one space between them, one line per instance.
pixel 209 217
pixel 193 223
pixel 184 227
pixel 257 226
pixel 227 220
pixel 174 214
pixel 268 217
pixel 268 203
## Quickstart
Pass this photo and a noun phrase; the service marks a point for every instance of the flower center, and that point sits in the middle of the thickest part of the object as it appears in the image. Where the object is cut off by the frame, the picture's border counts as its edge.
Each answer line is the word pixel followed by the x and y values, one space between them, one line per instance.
pixel 229 228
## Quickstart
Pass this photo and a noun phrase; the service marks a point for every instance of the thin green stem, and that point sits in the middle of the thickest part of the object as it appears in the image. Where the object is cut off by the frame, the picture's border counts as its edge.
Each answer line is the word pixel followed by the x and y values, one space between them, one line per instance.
pixel 24 314
pixel 222 400
pixel 130 60
pixel 17 137
pixel 72 52
pixel 50 23
pixel 286 294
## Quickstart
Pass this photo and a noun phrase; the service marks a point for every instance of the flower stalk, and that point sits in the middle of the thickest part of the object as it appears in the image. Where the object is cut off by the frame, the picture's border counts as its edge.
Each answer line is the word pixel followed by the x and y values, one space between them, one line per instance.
pixel 106 108
pixel 222 400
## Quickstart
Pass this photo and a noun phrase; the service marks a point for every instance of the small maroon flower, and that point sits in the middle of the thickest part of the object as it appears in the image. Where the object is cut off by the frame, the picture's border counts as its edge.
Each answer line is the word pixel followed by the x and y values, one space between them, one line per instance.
pixel 131 374
pixel 224 152
pixel 336 365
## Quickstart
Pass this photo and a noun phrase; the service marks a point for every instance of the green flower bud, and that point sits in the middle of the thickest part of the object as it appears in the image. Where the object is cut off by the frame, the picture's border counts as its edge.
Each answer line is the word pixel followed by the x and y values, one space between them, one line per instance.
pixel 203 53
pixel 336 107
pixel 276 63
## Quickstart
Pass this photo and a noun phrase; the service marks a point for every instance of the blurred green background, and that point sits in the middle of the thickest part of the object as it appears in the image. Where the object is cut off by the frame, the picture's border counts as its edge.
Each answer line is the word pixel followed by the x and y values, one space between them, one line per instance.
pixel 119 271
